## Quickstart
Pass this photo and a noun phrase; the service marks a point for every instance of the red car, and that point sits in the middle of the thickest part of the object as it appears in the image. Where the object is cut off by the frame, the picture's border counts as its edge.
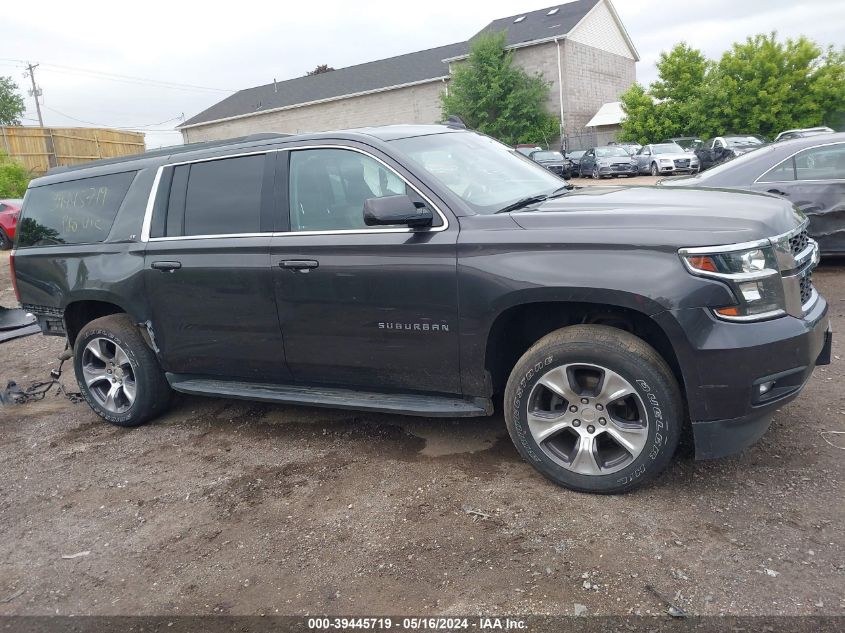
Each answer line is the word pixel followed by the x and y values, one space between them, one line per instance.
pixel 10 211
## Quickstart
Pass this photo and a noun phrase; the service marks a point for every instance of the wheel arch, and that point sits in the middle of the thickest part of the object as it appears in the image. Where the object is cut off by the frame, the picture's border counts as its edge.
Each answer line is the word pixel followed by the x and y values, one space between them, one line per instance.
pixel 83 309
pixel 518 326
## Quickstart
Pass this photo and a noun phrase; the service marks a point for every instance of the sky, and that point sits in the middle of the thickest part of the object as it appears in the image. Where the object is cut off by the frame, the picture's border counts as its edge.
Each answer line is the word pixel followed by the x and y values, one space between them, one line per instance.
pixel 143 66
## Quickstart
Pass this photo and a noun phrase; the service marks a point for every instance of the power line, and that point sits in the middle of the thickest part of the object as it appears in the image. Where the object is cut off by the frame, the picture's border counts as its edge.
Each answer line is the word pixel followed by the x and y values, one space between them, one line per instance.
pixel 119 127
pixel 131 79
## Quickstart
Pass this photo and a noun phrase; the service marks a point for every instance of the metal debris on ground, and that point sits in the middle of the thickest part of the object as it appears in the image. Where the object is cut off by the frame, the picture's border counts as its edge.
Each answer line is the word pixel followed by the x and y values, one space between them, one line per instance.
pixel 674 610
pixel 77 555
pixel 824 435
pixel 13 394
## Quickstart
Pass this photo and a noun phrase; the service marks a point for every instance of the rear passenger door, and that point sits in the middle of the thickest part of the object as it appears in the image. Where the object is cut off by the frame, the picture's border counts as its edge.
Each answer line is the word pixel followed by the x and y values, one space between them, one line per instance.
pixel 372 307
pixel 207 273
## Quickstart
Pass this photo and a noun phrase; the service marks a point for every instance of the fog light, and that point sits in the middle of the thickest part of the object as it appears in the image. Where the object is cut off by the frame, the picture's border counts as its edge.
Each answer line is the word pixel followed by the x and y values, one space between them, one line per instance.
pixel 766 387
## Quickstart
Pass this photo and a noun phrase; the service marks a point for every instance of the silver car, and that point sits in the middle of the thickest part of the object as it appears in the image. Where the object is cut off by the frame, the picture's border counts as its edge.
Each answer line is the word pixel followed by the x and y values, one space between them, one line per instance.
pixel 665 158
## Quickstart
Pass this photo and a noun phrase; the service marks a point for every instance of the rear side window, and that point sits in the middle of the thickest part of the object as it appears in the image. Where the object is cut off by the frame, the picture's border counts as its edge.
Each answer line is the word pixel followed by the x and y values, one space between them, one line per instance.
pixel 224 196
pixel 75 212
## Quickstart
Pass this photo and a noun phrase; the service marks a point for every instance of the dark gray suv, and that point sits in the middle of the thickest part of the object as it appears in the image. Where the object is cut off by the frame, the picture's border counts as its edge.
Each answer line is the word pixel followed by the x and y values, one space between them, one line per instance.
pixel 431 271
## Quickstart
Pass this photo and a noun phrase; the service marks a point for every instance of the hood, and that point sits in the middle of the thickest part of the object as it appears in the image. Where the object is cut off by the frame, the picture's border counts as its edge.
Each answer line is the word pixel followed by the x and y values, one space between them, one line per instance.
pixel 552 162
pixel 656 216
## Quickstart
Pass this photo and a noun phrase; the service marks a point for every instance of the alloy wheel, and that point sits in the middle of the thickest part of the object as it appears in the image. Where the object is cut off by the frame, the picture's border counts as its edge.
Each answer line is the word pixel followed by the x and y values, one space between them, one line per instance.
pixel 109 375
pixel 587 418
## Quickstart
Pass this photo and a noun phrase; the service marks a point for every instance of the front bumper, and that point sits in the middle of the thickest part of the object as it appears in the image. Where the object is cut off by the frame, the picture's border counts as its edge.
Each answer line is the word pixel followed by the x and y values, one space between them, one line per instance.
pixel 724 365
pixel 674 169
pixel 613 170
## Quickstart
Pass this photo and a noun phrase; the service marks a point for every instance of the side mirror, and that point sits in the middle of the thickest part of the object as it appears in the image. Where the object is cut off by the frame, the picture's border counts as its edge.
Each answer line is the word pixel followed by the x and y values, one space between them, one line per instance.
pixel 395 210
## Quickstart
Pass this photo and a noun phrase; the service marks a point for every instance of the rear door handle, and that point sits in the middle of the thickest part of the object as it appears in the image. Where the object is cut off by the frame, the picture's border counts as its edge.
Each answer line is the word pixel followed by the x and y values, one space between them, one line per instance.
pixel 166 267
pixel 302 265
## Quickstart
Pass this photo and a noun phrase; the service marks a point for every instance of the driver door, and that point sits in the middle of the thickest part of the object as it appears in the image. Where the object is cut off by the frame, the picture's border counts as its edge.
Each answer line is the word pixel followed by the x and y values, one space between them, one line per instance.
pixel 373 307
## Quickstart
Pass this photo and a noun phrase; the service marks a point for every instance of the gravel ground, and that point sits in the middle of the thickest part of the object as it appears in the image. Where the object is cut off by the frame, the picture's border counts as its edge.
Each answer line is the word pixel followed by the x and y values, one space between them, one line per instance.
pixel 230 507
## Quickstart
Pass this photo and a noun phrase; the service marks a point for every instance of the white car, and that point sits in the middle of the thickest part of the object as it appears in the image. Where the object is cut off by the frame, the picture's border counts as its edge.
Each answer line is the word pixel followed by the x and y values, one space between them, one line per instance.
pixel 665 158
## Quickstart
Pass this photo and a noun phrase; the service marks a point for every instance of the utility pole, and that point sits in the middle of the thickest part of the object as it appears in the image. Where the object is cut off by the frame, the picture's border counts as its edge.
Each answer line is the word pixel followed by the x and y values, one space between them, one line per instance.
pixel 48 134
pixel 35 92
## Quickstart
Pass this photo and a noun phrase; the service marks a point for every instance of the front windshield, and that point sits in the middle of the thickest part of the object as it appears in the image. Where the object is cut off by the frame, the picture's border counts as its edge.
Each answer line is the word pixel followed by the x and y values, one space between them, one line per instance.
pixel 547 156
pixel 485 174
pixel 667 148
pixel 577 154
pixel 613 150
pixel 742 141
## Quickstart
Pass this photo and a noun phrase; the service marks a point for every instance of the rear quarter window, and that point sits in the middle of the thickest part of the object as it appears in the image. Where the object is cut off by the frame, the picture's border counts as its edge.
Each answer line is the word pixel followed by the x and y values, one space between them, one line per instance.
pixel 73 212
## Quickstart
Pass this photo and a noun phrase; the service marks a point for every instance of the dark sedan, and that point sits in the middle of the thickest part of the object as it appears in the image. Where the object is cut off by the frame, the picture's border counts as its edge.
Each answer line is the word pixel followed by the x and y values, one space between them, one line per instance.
pixel 553 161
pixel 810 172
pixel 718 150
pixel 574 159
pixel 610 161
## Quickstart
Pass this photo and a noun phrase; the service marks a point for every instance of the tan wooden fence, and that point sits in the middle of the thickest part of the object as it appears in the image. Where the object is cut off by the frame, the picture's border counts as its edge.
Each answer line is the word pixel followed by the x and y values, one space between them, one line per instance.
pixel 40 148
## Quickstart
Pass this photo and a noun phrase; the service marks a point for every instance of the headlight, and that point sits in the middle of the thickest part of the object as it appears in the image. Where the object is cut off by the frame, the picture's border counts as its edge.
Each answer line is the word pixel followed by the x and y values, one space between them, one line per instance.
pixel 751 273
pixel 667 161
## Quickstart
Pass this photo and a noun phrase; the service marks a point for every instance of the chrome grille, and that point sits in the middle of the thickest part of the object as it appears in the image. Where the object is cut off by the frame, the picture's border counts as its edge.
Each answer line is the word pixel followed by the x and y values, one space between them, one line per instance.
pixel 806 286
pixel 798 242
pixel 683 162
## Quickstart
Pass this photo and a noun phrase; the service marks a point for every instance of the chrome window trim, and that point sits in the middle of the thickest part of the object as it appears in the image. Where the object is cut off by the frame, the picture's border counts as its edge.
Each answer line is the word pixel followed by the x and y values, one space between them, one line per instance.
pixel 790 157
pixel 148 213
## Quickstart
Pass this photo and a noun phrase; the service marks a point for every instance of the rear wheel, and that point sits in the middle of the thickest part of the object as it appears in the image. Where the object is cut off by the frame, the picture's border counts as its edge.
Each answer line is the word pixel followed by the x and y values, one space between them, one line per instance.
pixel 118 374
pixel 594 408
pixel 5 241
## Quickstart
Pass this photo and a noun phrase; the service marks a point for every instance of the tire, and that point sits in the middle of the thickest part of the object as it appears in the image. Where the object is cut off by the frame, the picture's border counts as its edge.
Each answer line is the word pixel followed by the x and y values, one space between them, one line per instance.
pixel 654 171
pixel 648 417
pixel 596 174
pixel 5 241
pixel 104 374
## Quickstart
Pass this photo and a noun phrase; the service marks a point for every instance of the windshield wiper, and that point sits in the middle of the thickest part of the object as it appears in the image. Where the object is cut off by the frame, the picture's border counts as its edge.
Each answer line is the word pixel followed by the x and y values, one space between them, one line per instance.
pixel 524 202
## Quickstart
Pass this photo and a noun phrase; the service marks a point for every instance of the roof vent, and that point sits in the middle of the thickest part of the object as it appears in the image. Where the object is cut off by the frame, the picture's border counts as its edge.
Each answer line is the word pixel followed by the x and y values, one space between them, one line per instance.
pixel 553 11
pixel 519 19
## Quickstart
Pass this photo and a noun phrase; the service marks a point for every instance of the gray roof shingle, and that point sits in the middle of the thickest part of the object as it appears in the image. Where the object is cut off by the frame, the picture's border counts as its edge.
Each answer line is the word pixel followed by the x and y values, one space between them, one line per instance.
pixel 393 71
pixel 539 25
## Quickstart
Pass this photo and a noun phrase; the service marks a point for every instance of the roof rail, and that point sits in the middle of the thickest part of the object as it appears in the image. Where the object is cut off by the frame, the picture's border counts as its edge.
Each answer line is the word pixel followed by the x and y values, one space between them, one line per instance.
pixel 168 151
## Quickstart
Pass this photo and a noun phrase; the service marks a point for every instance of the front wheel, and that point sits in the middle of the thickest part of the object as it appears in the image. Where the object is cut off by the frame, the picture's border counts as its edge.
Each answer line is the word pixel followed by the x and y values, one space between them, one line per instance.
pixel 654 171
pixel 117 372
pixel 594 408
pixel 596 175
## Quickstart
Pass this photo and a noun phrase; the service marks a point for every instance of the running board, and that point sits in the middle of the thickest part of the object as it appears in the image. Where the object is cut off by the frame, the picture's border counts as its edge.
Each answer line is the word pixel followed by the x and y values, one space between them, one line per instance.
pixel 334 398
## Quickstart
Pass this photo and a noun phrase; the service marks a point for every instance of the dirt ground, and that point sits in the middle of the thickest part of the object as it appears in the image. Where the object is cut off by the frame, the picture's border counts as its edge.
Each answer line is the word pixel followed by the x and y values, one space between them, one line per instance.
pixel 239 508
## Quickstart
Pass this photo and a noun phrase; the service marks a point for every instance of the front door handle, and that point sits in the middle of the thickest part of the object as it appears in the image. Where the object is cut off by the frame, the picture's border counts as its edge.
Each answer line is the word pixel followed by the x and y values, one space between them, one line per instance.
pixel 778 192
pixel 166 267
pixel 301 265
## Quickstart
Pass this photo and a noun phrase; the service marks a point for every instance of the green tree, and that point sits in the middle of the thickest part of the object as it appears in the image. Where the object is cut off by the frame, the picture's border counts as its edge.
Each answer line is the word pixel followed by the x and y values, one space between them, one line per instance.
pixel 681 71
pixel 11 103
pixel 764 86
pixel 495 97
pixel 760 86
pixel 669 107
pixel 13 178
